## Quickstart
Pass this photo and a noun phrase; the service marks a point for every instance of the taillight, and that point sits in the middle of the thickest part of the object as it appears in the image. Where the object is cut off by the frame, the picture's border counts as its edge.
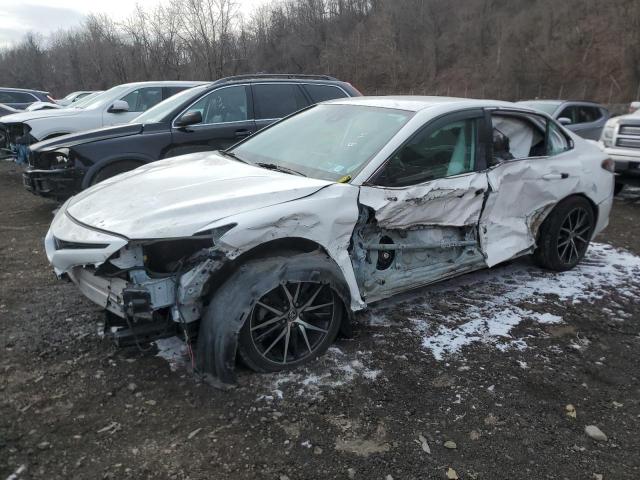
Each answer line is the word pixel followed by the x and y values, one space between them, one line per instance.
pixel 609 165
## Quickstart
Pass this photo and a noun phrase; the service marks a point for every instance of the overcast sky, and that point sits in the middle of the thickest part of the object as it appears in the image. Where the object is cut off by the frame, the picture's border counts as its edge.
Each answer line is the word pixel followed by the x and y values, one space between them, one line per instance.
pixel 18 17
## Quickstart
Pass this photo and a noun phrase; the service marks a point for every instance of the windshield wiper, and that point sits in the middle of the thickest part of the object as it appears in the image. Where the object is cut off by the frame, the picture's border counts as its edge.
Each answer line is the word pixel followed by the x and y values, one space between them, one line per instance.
pixel 232 155
pixel 280 168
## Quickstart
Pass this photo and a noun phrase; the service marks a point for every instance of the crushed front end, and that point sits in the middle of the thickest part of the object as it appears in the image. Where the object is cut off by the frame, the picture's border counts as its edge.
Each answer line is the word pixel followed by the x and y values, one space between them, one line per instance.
pixel 53 174
pixel 15 139
pixel 150 289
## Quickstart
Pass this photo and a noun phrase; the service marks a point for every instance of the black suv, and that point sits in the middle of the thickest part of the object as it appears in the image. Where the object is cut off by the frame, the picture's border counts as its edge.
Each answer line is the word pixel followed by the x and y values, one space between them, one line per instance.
pixel 207 117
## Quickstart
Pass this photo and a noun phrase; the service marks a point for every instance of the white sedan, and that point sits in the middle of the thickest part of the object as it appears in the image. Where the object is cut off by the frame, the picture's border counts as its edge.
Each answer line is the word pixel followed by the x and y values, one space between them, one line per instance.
pixel 265 250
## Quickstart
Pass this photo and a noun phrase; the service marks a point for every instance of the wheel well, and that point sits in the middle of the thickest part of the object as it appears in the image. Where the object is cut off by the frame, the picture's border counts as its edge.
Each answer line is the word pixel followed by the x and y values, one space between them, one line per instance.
pixel 275 247
pixel 594 208
pixel 114 162
pixel 54 135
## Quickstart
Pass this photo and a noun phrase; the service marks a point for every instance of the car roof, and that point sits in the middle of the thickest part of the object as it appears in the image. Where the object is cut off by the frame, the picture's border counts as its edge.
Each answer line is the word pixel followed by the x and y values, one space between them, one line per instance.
pixel 279 77
pixel 417 103
pixel 561 102
pixel 27 90
pixel 167 83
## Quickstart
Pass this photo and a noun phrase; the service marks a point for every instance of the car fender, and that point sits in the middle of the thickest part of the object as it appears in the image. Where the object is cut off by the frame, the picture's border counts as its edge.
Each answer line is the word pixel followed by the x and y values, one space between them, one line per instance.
pixel 115 158
pixel 326 217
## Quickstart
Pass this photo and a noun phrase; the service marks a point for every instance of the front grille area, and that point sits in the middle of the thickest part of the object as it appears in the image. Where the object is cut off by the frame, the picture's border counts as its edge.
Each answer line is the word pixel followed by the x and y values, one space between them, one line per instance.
pixel 632 130
pixel 65 245
pixel 628 142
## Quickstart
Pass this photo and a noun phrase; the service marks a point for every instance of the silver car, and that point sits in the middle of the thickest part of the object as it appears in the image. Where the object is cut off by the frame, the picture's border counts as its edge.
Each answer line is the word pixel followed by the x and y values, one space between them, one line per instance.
pixel 587 119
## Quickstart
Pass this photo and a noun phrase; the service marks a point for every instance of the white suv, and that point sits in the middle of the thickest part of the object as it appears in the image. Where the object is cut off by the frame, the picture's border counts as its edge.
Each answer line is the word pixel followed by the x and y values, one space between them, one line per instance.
pixel 621 141
pixel 117 105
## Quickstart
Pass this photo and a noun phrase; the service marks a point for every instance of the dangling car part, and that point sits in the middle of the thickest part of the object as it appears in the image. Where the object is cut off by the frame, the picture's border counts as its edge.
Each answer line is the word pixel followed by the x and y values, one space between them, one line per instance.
pixel 265 250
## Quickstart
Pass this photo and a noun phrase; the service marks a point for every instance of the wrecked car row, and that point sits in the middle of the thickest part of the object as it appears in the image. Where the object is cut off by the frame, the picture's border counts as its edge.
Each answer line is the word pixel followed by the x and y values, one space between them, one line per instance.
pixel 203 118
pixel 117 105
pixel 265 250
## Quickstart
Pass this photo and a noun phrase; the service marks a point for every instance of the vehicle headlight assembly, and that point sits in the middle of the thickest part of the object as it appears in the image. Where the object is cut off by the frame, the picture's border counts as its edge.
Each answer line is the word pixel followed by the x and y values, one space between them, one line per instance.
pixel 60 158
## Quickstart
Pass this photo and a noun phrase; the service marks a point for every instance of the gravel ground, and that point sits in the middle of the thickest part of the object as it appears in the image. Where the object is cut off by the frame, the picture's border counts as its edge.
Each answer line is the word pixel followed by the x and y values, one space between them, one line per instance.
pixel 493 375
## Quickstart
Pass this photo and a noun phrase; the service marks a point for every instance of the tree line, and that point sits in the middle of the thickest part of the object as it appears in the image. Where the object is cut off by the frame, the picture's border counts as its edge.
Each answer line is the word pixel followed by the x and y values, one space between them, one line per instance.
pixel 505 49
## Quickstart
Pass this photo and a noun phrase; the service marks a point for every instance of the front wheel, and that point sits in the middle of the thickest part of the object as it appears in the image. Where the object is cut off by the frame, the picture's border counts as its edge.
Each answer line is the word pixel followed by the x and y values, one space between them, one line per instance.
pixel 283 311
pixel 565 234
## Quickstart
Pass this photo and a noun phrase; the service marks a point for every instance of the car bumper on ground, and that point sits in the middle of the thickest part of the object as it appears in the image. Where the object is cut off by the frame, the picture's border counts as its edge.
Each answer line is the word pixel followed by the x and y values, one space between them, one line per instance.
pixel 57 184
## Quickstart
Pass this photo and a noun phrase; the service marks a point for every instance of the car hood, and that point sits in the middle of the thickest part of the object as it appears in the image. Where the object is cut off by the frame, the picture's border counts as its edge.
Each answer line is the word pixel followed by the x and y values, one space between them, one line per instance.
pixel 26 116
pixel 182 195
pixel 87 137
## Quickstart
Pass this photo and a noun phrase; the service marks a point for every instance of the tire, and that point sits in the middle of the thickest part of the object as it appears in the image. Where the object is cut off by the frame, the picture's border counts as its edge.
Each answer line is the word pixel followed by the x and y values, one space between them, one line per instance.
pixel 114 169
pixel 617 189
pixel 272 335
pixel 558 248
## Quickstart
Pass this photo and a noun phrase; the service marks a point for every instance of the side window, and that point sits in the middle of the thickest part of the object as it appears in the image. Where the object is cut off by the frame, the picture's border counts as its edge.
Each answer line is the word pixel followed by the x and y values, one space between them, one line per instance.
pixel 588 114
pixel 320 93
pixel 525 136
pixel 556 141
pixel 431 154
pixel 571 113
pixel 16 97
pixel 171 91
pixel 143 99
pixel 516 137
pixel 277 100
pixel 223 105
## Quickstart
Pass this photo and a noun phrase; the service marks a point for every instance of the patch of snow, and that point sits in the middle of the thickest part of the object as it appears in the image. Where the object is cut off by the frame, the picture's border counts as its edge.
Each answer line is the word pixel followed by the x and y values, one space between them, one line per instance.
pixel 334 369
pixel 174 351
pixel 483 306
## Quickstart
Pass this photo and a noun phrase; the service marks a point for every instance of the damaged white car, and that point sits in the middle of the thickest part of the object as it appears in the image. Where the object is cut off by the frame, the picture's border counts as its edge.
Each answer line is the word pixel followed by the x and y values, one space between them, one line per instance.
pixel 264 251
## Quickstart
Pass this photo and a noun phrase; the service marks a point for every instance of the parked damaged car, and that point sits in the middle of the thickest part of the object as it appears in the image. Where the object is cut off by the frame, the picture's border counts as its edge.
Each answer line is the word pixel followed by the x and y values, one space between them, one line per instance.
pixel 265 250
pixel 117 105
pixel 203 118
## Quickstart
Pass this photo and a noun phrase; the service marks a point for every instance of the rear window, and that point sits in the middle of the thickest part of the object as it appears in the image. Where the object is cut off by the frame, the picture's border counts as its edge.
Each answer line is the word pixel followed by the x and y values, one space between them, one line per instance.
pixel 320 93
pixel 277 100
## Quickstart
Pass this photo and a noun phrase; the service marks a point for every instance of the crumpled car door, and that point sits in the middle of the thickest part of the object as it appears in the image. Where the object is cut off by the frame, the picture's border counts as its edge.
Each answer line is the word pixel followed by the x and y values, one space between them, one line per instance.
pixel 419 215
pixel 531 172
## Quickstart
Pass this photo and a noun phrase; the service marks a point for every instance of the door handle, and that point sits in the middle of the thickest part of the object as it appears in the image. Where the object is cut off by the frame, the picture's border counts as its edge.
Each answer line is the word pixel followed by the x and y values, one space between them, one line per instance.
pixel 555 176
pixel 243 133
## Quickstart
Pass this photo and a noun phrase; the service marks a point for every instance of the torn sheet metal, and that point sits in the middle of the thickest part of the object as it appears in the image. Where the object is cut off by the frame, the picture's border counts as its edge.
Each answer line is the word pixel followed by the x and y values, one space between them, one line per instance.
pixel 454 201
pixel 521 195
pixel 306 218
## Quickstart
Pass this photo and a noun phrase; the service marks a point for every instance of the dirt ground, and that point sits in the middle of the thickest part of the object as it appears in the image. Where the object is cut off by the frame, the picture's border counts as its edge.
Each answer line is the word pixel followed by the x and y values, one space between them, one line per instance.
pixel 387 403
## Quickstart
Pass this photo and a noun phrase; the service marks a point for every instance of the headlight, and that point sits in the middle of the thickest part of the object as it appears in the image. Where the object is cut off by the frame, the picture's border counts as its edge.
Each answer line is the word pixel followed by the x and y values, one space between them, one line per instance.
pixel 60 158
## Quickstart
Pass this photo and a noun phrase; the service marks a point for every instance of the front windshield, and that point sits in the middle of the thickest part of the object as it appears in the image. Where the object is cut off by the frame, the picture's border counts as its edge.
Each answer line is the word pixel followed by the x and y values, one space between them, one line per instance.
pixel 328 141
pixel 85 100
pixel 99 100
pixel 160 111
pixel 544 107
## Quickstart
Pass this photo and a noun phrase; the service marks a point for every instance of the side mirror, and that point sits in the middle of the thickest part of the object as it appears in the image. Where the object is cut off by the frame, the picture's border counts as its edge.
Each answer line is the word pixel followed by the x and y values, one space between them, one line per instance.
pixel 119 106
pixel 564 121
pixel 190 118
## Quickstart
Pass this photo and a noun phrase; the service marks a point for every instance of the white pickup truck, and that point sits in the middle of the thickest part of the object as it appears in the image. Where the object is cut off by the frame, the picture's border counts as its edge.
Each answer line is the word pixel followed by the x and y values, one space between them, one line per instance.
pixel 115 106
pixel 621 141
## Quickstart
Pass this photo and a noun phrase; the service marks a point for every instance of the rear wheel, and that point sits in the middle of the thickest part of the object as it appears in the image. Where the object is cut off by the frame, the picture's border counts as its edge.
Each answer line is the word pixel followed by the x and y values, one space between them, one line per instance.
pixel 114 169
pixel 565 234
